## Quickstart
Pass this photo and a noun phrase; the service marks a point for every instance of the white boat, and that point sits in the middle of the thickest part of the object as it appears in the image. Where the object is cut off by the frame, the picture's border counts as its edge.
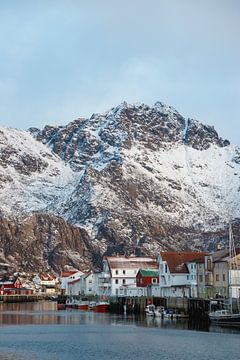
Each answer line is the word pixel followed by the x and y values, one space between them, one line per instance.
pixel 224 317
pixel 169 314
pixel 158 312
pixel 149 310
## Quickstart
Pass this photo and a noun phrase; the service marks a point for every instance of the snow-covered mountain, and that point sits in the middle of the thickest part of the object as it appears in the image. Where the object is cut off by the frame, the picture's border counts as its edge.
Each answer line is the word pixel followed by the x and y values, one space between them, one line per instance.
pixel 136 178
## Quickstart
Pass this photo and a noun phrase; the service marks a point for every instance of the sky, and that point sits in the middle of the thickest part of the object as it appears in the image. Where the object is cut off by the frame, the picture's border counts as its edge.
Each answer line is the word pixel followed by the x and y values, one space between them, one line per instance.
pixel 65 59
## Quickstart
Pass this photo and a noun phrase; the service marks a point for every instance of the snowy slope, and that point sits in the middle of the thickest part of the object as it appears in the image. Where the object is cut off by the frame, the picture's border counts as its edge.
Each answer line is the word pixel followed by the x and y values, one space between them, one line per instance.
pixel 31 176
pixel 137 178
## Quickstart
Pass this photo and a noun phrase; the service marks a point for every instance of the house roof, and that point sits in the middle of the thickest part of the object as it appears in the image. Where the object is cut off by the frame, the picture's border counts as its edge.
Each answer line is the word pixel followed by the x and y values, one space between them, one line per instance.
pixel 47 277
pixel 124 262
pixel 68 273
pixel 8 279
pixel 176 261
pixel 223 255
pixel 147 272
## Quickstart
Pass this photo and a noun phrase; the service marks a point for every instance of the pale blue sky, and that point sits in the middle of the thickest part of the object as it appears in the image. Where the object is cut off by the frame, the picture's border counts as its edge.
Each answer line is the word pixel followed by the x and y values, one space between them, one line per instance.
pixel 62 59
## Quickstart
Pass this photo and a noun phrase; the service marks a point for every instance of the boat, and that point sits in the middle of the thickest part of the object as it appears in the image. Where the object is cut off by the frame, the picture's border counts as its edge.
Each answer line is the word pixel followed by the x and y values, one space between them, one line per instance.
pixel 71 303
pixel 158 312
pixel 102 306
pixel 91 305
pixel 61 306
pixel 83 304
pixel 169 314
pixel 149 310
pixel 226 316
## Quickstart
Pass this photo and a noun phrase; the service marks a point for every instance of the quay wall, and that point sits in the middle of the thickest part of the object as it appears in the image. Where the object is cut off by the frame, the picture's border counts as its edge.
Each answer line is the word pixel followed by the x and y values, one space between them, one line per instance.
pixel 23 298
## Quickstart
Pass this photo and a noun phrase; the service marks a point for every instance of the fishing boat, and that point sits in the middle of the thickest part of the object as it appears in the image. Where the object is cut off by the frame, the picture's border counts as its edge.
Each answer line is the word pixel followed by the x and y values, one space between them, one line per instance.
pixel 71 303
pixel 228 316
pixel 102 306
pixel 83 304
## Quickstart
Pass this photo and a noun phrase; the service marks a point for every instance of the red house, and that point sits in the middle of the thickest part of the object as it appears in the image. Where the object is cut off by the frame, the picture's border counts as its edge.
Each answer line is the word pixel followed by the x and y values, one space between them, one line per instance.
pixel 147 277
pixel 10 285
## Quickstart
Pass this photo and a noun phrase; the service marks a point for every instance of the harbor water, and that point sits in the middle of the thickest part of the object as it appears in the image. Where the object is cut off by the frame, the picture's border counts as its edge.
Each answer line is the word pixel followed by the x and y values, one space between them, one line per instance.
pixel 37 331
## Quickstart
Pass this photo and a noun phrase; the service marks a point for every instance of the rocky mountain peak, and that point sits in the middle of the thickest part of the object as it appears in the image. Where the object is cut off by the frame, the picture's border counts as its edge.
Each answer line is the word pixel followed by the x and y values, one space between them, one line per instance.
pixel 137 179
pixel 201 137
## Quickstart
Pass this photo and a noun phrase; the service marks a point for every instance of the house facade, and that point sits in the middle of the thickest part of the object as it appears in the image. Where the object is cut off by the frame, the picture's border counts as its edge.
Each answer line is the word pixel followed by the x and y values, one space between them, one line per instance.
pixel 66 278
pixel 147 277
pixel 178 273
pixel 46 283
pixel 119 274
pixel 216 278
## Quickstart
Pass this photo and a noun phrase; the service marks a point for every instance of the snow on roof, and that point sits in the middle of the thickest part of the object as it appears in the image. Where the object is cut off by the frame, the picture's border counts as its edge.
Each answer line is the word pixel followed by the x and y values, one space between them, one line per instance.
pixel 123 262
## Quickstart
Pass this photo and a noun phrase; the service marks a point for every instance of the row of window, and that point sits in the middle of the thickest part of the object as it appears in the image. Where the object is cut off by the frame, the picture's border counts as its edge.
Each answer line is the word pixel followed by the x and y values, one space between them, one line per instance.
pixel 217 277
pixel 118 281
pixel 117 272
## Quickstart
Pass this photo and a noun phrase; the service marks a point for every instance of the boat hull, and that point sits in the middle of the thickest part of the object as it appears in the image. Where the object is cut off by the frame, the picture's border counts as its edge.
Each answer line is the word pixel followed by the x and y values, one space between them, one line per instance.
pixel 83 307
pixel 61 306
pixel 101 308
pixel 228 320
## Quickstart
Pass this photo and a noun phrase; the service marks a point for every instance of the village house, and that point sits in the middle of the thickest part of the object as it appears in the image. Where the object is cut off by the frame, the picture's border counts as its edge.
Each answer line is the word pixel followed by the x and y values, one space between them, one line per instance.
pixel 12 285
pixel 146 277
pixel 215 278
pixel 46 283
pixel 68 279
pixel 119 275
pixel 178 273
pixel 148 281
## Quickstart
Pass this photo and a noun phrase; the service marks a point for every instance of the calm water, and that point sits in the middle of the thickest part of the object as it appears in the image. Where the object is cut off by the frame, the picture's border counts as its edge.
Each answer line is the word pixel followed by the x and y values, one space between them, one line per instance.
pixel 38 332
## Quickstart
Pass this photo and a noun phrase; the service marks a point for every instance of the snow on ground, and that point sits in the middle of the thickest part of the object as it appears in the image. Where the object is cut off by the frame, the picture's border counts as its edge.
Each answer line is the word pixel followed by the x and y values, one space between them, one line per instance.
pixel 34 191
pixel 203 184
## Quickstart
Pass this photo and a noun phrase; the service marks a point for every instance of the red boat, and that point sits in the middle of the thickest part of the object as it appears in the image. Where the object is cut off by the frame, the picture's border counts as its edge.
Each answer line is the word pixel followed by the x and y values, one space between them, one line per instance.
pixel 83 305
pixel 102 307
pixel 61 306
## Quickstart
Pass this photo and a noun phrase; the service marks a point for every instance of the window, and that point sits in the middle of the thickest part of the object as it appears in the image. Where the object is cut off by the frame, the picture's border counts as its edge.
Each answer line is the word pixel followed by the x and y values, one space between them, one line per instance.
pixel 116 272
pixel 124 272
pixel 154 280
pixel 187 277
pixel 124 281
pixel 116 281
pixel 165 268
pixel 141 280
pixel 217 277
pixel 224 277
pixel 209 265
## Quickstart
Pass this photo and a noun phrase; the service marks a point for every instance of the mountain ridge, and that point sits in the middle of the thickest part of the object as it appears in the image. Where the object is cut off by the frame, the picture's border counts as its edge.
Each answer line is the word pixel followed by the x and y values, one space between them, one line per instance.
pixel 137 179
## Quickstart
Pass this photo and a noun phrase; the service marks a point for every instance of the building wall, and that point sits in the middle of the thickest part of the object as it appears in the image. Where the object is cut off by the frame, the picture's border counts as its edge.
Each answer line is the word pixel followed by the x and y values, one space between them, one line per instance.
pixel 143 281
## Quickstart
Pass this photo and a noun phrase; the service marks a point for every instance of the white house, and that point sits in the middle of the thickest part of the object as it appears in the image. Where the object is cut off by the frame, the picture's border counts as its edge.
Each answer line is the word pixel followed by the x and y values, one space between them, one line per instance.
pixel 178 273
pixel 89 284
pixel 119 274
pixel 46 283
pixel 69 277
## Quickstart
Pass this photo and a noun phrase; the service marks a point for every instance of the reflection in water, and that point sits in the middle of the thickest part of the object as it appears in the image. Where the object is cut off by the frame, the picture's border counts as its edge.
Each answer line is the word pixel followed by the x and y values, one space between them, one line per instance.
pixel 74 335
pixel 45 313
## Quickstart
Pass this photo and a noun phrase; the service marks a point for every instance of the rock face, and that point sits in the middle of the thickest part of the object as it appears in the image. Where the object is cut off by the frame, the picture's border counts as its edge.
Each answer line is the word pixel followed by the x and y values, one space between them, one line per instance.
pixel 44 242
pixel 138 179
